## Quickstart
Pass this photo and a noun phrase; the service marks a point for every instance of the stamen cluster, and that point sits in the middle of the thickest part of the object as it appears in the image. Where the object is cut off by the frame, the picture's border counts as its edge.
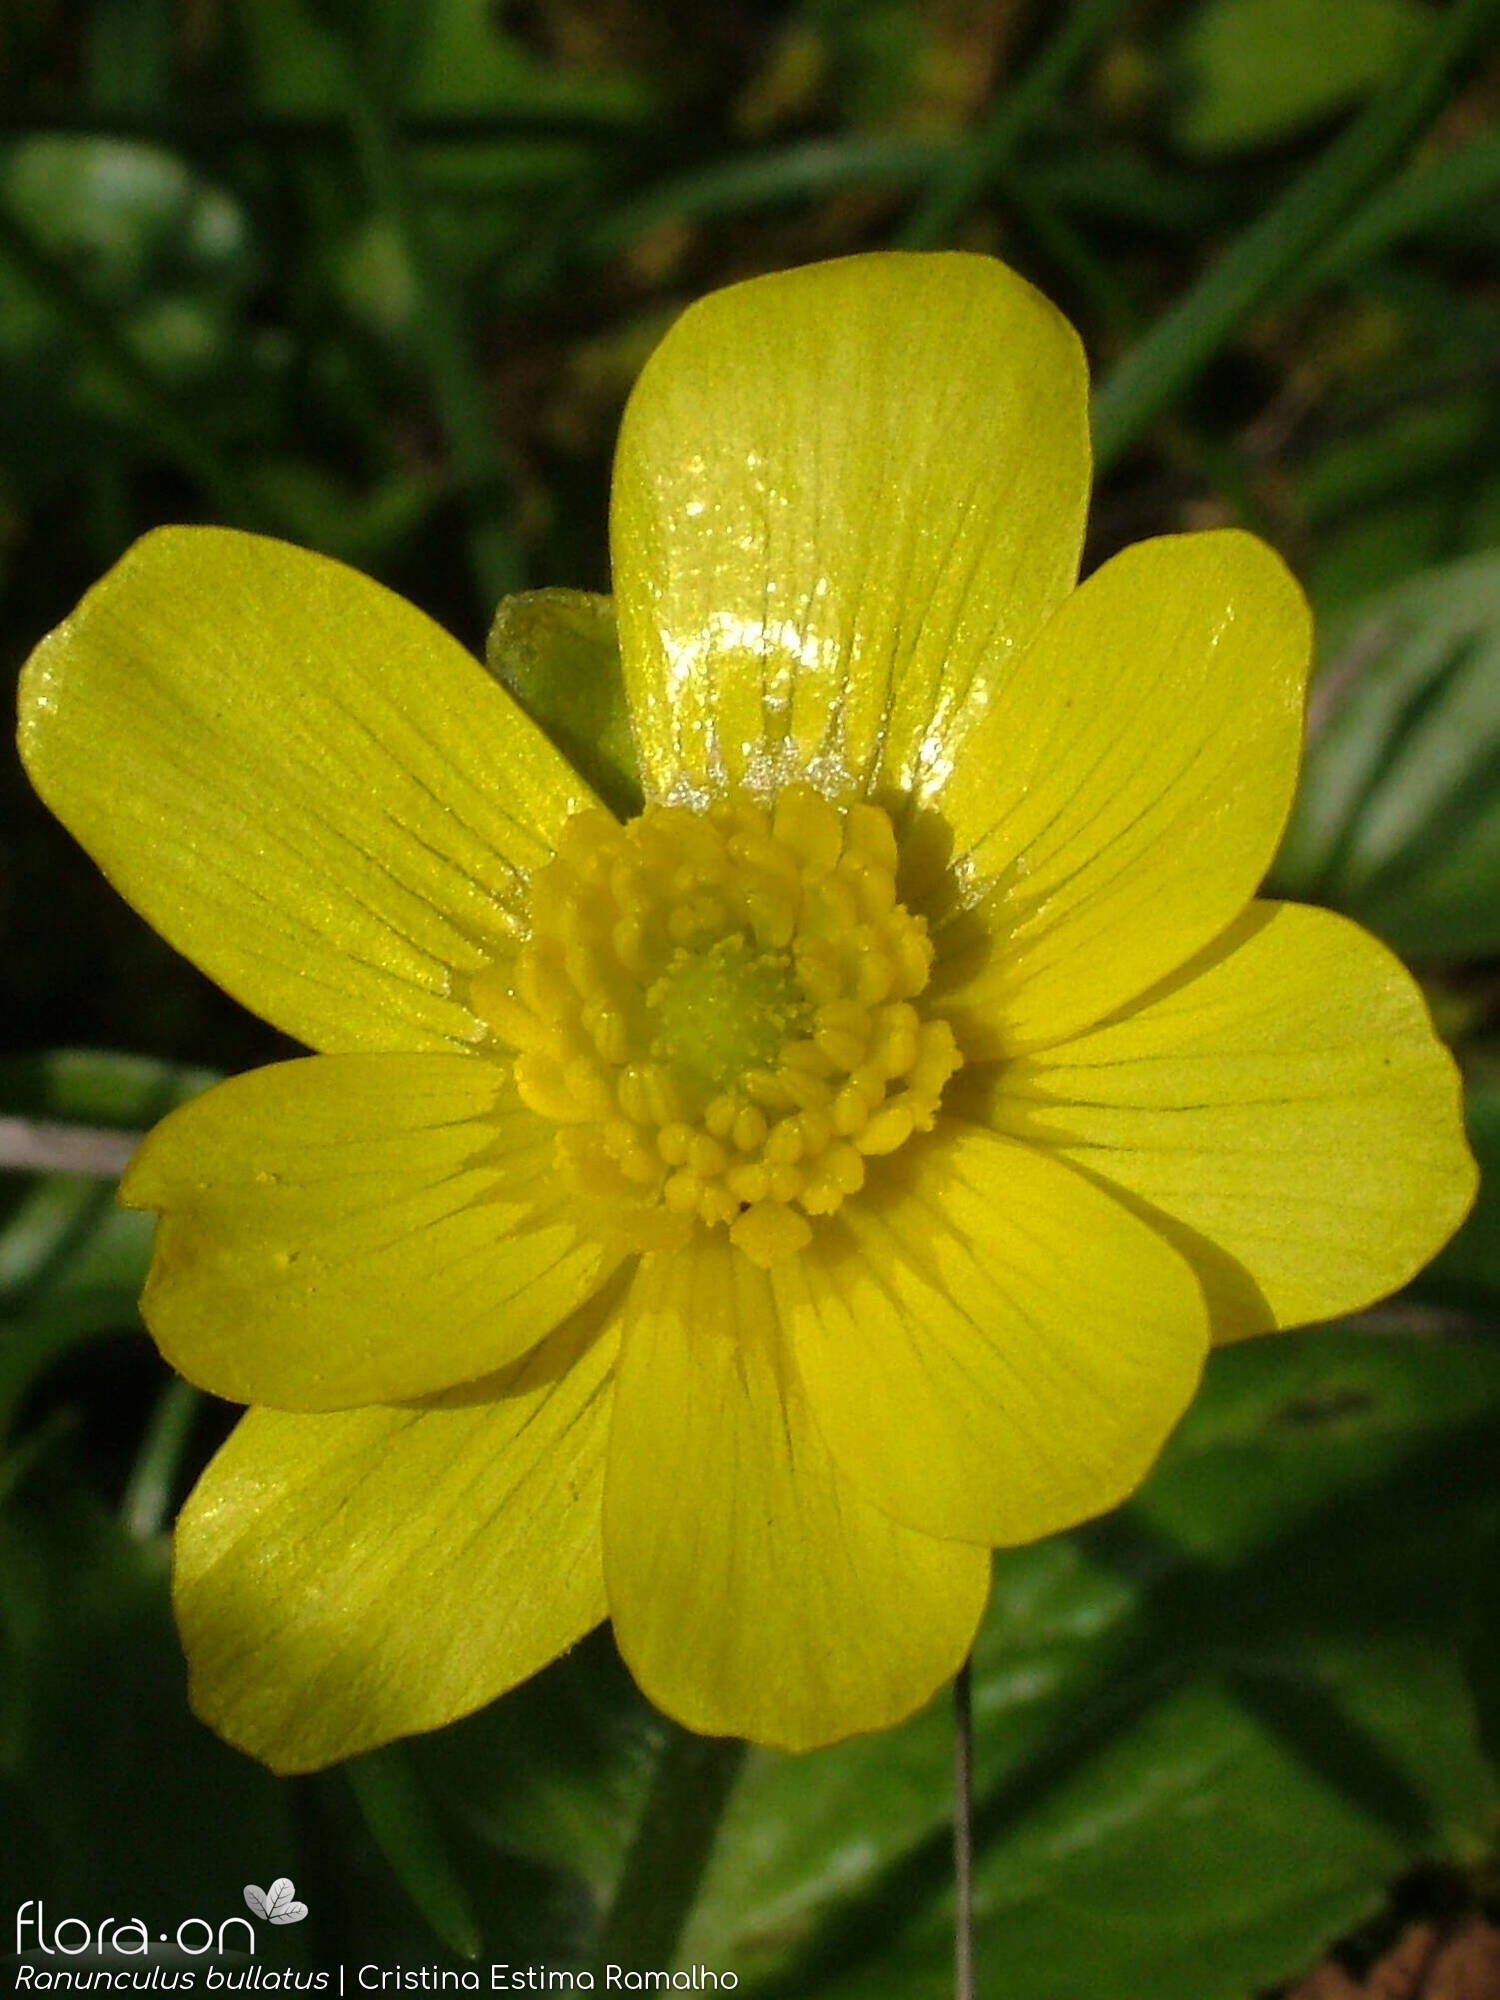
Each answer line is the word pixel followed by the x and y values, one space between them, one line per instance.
pixel 717 1007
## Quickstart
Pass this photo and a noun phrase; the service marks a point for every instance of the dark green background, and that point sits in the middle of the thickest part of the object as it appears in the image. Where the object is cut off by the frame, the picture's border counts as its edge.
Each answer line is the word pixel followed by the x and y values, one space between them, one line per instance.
pixel 376 276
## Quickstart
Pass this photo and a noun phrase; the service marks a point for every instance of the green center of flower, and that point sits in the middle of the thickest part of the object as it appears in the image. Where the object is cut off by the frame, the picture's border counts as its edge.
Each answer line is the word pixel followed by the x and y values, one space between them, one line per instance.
pixel 723 1011
pixel 719 1010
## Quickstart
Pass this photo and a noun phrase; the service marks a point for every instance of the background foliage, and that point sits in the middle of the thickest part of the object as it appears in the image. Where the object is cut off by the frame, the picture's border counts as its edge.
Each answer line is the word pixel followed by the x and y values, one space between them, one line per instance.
pixel 376 275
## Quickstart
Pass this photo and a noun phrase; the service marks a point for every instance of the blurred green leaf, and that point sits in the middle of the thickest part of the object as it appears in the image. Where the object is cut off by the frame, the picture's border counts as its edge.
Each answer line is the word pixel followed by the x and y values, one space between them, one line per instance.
pixel 1398 817
pixel 1247 1684
pixel 1452 190
pixel 1484 1649
pixel 77 1744
pixel 1258 70
pixel 292 59
pixel 464 63
pixel 1419 442
pixel 1274 253
pixel 98 1087
pixel 556 1772
pixel 405 1830
pixel 1467 1271
pixel 126 217
pixel 130 54
pixel 557 653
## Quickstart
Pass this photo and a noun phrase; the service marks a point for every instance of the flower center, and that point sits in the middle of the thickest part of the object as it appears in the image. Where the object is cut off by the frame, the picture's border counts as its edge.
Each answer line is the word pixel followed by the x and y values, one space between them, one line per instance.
pixel 726 1010
pixel 718 1010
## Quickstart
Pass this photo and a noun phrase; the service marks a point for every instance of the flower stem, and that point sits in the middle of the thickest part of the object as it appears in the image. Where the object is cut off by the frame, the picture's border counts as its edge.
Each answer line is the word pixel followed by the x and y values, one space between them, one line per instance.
pixel 963 1836
pixel 673 1840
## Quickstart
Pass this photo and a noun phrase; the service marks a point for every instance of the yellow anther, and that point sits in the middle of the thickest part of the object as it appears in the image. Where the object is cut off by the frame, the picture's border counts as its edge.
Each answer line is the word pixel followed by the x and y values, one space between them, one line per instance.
pixel 850 1112
pixel 897 1036
pixel 720 1116
pixel 717 1204
pixel 632 1090
pixel 869 830
pixel 768 1090
pixel 715 1007
pixel 673 1141
pixel 888 1129
pixel 707 1156
pixel 630 944
pixel 543 985
pixel 590 1167
pixel 875 977
pixel 773 916
pixel 510 1020
pixel 844 1049
pixel 819 968
pixel 769 1233
pixel 542 1088
pixel 834 906
pixel 806 1090
pixel 750 1182
pixel 607 1030
pixel 784 1144
pixel 817 1129
pixel 620 1136
pixel 589 1087
pixel 682 1192
pixel 874 886
pixel 749 1128
pixel 913 961
pixel 806 822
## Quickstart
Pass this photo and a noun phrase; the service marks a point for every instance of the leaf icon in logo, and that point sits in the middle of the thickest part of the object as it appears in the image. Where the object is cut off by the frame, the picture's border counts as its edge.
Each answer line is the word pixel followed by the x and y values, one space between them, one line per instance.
pixel 278 1904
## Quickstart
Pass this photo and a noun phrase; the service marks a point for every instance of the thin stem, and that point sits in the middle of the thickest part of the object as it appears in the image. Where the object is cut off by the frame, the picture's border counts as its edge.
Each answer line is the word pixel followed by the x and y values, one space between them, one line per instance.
pixel 148 1497
pixel 43 1146
pixel 1019 110
pixel 673 1841
pixel 1184 340
pixel 963 1835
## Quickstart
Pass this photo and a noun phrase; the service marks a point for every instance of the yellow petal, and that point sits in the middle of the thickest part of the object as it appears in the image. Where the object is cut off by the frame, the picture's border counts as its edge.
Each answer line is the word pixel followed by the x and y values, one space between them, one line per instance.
pixel 1126 790
pixel 1285 1102
pixel 993 1348
pixel 344 1579
pixel 357 1229
pixel 753 1592
pixel 303 783
pixel 843 497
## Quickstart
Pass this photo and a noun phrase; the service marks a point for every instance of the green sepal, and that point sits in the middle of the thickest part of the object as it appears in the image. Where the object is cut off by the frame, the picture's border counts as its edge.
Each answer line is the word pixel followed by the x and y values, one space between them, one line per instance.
pixel 557 652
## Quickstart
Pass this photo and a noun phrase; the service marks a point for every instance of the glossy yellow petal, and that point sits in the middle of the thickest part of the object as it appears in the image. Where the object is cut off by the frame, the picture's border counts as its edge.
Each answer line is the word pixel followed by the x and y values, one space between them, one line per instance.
pixel 344 1579
pixel 844 496
pixel 753 1592
pixel 1285 1104
pixel 1126 789
pixel 357 1229
pixel 303 783
pixel 993 1347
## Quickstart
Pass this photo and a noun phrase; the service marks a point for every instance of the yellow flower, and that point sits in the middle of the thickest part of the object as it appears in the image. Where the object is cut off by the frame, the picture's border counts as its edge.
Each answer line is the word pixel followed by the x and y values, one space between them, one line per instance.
pixel 736 1222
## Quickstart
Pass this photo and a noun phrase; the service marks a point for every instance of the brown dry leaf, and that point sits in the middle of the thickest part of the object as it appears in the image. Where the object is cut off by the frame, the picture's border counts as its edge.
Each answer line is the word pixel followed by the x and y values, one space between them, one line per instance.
pixel 1468 1966
pixel 1398 1974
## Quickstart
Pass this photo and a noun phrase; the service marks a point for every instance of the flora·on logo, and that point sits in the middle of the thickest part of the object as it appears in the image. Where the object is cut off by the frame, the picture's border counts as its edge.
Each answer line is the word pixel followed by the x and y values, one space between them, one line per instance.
pixel 72 1936
pixel 278 1904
